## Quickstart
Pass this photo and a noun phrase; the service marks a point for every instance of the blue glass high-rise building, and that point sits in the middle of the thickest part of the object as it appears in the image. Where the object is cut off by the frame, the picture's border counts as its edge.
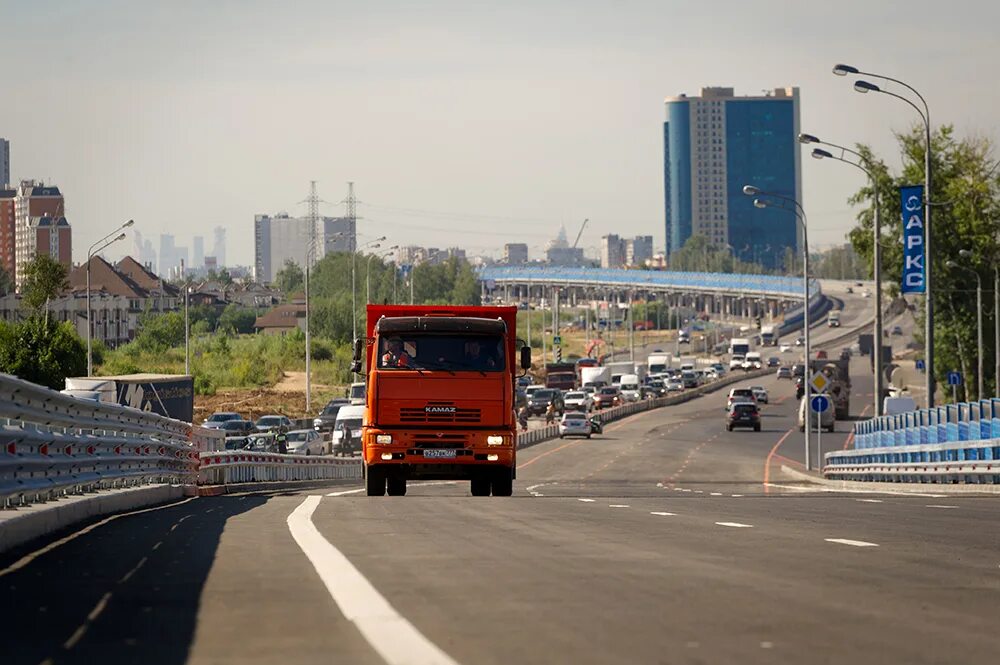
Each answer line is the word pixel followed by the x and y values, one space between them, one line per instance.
pixel 713 146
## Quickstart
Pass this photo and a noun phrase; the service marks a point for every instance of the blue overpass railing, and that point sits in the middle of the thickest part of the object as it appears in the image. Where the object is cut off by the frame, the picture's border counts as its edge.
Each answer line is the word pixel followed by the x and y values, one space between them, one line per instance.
pixel 706 282
pixel 952 443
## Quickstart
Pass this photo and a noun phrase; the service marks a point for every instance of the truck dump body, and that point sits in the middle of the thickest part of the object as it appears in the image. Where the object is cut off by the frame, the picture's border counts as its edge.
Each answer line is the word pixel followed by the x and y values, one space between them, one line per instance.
pixel 839 390
pixel 440 397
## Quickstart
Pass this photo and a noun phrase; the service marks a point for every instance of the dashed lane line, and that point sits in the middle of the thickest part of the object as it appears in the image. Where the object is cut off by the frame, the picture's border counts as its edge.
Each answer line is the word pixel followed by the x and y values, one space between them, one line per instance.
pixel 869 500
pixel 852 543
pixel 735 525
pixel 587 500
pixel 618 505
pixel 932 505
pixel 663 514
pixel 394 638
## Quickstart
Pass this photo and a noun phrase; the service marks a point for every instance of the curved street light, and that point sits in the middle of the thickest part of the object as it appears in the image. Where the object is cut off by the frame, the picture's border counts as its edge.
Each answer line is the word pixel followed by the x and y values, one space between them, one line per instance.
pixel 865 87
pixel 368 269
pixel 819 153
pixel 96 248
pixel 309 258
pixel 354 290
pixel 762 201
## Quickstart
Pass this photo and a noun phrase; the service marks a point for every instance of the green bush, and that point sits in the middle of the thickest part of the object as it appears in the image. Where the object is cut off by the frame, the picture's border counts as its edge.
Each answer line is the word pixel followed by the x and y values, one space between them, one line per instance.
pixel 43 352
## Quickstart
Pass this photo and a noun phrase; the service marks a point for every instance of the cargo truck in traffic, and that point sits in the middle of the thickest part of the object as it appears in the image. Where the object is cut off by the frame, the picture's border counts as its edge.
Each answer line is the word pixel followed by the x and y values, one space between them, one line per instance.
pixel 440 397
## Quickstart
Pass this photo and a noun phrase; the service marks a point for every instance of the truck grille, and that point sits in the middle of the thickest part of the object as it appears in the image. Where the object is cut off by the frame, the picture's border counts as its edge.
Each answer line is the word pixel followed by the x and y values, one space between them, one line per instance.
pixel 439 413
pixel 442 441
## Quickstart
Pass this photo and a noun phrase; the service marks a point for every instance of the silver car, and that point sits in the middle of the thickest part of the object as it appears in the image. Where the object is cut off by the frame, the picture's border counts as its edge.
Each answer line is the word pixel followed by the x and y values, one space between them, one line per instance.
pixel 305 442
pixel 574 423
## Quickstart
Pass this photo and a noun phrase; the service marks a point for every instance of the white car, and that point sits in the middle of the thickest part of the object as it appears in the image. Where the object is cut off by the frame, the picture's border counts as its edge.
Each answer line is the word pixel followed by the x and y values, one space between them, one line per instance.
pixel 574 423
pixel 305 442
pixel 785 348
pixel 674 385
pixel 760 393
pixel 578 400
pixel 736 362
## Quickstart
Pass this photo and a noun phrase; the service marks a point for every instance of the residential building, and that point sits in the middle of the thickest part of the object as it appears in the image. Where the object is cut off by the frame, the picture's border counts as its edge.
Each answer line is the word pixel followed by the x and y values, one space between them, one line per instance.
pixel 8 230
pixel 638 251
pixel 612 251
pixel 515 253
pixel 280 238
pixel 714 145
pixel 40 226
pixel 4 163
pixel 119 296
pixel 282 320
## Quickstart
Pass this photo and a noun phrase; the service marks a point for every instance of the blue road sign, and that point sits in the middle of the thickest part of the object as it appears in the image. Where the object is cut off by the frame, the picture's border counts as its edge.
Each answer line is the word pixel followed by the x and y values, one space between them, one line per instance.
pixel 921 365
pixel 954 378
pixel 557 340
pixel 819 403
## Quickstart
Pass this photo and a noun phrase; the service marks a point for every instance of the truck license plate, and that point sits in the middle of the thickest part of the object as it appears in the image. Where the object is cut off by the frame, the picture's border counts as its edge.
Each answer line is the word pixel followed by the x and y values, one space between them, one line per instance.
pixel 440 453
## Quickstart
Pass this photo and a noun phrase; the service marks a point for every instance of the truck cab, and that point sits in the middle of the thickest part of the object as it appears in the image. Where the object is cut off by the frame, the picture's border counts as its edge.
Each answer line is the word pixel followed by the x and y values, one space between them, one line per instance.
pixel 440 398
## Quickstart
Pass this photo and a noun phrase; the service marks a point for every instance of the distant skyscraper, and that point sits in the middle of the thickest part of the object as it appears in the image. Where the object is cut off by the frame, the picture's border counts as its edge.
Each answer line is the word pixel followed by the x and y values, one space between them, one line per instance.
pixel 198 253
pixel 713 146
pixel 612 251
pixel 638 250
pixel 219 248
pixel 4 163
pixel 168 255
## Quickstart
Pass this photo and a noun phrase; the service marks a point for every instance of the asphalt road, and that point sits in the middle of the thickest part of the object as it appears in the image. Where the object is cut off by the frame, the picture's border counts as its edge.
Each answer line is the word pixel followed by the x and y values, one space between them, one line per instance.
pixel 667 540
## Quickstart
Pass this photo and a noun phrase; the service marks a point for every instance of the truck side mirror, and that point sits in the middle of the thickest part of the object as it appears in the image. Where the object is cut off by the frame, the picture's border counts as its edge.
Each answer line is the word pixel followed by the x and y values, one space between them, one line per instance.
pixel 356 366
pixel 359 349
pixel 525 357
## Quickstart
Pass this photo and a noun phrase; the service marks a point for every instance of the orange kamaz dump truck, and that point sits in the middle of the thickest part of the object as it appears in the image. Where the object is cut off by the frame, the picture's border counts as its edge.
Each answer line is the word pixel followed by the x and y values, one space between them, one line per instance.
pixel 440 396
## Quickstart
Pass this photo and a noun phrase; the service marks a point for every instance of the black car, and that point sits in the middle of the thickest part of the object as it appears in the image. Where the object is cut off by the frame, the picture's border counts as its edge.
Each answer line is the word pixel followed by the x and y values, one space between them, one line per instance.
pixel 743 414
pixel 798 369
pixel 774 361
pixel 238 433
pixel 326 419
pixel 539 402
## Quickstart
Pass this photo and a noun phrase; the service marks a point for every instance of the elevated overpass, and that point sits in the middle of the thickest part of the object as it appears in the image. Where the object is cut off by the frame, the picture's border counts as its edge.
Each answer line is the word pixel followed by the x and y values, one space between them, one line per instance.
pixel 739 295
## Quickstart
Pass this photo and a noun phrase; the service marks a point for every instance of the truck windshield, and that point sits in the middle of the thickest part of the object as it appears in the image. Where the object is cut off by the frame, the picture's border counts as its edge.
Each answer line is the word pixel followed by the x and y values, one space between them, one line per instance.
pixel 454 352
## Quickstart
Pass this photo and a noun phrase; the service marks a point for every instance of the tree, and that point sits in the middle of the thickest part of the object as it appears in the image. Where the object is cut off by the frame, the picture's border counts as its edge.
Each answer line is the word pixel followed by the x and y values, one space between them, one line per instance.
pixel 160 332
pixel 44 279
pixel 6 282
pixel 290 279
pixel 237 319
pixel 43 352
pixel 966 187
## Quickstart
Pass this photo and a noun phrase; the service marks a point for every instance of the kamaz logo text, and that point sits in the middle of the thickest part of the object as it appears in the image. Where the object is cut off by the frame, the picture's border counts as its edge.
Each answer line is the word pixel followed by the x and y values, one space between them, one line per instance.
pixel 439 409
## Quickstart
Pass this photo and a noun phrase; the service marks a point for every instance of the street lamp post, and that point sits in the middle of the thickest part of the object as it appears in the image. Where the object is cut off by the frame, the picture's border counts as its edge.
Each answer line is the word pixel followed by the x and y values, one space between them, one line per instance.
pixel 354 269
pixel 800 215
pixel 925 115
pixel 310 255
pixel 876 252
pixel 964 253
pixel 96 248
pixel 368 269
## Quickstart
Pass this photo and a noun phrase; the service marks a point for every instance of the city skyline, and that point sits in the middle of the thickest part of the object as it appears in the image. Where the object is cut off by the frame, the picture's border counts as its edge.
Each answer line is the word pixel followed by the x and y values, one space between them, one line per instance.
pixel 451 140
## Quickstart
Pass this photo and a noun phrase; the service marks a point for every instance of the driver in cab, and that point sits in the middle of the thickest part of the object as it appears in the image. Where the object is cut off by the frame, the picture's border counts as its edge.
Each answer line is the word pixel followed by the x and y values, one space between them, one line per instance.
pixel 475 357
pixel 395 355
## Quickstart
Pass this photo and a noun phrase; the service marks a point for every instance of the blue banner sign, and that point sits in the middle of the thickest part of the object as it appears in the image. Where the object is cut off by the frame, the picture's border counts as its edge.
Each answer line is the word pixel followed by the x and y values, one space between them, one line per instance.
pixel 914 256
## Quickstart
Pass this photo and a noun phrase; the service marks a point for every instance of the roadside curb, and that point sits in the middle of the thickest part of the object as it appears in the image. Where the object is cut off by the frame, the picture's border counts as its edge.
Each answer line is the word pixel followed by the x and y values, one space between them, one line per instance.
pixel 24 524
pixel 917 488
pixel 239 488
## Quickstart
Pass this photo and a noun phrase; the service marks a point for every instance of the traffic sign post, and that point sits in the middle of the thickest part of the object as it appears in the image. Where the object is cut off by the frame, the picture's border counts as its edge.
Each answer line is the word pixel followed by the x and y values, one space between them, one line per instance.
pixel 954 380
pixel 819 382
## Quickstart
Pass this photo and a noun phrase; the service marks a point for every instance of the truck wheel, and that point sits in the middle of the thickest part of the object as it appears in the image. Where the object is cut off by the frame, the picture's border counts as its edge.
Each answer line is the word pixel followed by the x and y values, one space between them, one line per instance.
pixel 396 486
pixel 375 481
pixel 756 428
pixel 480 486
pixel 503 482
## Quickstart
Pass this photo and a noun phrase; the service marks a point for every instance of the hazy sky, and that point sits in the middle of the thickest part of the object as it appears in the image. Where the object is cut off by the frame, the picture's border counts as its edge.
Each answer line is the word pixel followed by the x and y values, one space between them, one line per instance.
pixel 461 123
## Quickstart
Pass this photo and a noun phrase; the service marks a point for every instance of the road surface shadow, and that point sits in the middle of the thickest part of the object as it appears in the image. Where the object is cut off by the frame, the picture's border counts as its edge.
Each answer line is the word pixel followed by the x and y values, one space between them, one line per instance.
pixel 126 592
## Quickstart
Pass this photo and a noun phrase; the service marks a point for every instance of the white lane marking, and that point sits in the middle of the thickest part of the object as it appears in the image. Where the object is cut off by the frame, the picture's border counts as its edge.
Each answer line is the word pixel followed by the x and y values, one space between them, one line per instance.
pixel 663 514
pixel 869 500
pixel 587 500
pixel 736 525
pixel 736 496
pixel 618 505
pixel 853 543
pixel 940 506
pixel 395 639
pixel 346 492
pixel 125 578
pixel 91 617
pixel 767 645
pixel 28 558
pixel 715 493
pixel 801 488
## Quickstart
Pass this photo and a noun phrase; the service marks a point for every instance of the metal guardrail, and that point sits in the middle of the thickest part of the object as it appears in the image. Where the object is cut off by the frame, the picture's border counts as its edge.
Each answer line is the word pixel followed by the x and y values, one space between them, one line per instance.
pixel 955 443
pixel 234 466
pixel 54 444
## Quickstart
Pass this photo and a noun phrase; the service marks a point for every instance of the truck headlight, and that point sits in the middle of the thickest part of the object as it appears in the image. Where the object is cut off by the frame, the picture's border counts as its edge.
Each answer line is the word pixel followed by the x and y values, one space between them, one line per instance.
pixel 494 440
pixel 383 438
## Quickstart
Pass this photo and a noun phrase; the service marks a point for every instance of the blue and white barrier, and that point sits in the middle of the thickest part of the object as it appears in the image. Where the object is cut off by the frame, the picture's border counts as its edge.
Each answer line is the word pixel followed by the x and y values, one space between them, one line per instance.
pixel 950 444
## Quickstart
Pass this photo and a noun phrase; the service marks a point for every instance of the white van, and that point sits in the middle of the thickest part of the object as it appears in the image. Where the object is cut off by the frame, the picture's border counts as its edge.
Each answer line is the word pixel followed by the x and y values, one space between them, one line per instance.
pixel 350 415
pixel 826 419
pixel 357 393
pixel 629 385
